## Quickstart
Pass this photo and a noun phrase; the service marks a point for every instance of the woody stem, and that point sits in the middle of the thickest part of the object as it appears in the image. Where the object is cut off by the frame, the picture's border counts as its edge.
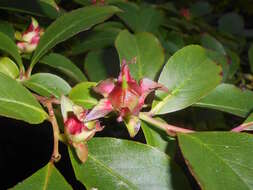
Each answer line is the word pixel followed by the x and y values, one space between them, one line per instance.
pixel 55 156
pixel 171 130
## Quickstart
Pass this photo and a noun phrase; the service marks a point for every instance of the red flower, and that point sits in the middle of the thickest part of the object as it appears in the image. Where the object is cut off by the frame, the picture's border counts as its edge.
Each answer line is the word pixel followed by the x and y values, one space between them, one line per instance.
pixel 125 96
pixel 30 38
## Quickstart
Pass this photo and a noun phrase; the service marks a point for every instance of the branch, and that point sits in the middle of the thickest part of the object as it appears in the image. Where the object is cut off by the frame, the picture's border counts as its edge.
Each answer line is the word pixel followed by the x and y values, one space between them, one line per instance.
pixel 43 99
pixel 55 156
pixel 242 127
pixel 171 130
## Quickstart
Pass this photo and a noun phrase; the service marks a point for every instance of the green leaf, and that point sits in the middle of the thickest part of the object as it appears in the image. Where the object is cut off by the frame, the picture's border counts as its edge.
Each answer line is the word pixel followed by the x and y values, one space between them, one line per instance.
pixel 7 29
pixel 219 160
pixel 18 103
pixel 249 120
pixel 200 8
pixel 189 75
pixel 81 94
pixel 70 24
pixel 234 63
pixel 250 54
pixel 38 8
pixel 140 19
pixel 96 40
pixel 231 23
pixel 102 64
pixel 64 65
pixel 228 98
pixel 147 50
pixel 118 164
pixel 7 45
pixel 158 139
pixel 47 178
pixel 8 67
pixel 210 42
pixel 47 84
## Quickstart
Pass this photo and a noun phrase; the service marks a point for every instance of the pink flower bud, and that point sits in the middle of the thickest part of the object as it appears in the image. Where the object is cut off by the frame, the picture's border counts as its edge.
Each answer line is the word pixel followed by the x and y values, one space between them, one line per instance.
pixel 185 13
pixel 30 38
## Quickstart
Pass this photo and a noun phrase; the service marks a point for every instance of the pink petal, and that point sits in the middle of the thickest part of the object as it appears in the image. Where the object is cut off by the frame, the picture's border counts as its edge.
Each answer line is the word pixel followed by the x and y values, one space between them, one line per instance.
pixel 100 110
pixel 148 86
pixel 105 87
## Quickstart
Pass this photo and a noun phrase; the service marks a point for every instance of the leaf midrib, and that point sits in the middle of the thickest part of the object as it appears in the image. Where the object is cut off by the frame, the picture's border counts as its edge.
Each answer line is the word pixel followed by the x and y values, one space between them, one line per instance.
pixel 113 173
pixel 69 27
pixel 197 140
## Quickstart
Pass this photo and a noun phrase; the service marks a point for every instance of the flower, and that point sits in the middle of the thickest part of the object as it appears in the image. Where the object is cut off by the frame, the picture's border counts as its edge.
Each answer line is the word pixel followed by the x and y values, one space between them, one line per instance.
pixel 124 96
pixel 94 2
pixel 77 131
pixel 29 40
pixel 185 13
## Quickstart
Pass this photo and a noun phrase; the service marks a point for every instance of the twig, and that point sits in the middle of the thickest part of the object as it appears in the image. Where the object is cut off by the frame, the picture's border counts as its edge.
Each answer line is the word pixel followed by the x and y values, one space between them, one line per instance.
pixel 55 156
pixel 242 127
pixel 171 130
pixel 43 99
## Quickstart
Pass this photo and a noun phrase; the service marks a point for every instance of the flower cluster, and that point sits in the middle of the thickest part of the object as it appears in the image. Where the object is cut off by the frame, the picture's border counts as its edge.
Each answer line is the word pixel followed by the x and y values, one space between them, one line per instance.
pixel 124 96
pixel 185 13
pixel 29 40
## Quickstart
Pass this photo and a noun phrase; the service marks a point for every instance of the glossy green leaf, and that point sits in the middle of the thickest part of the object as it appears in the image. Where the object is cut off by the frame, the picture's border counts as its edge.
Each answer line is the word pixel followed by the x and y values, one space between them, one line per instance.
pixel 96 40
pixel 147 50
pixel 140 19
pixel 81 94
pixel 219 160
pixel 70 24
pixel 102 64
pixel 8 67
pixel 7 29
pixel 189 75
pixel 231 23
pixel 47 178
pixel 234 63
pixel 159 139
pixel 228 98
pixel 210 42
pixel 38 8
pixel 250 54
pixel 123 164
pixel 18 103
pixel 64 65
pixel 109 25
pixel 7 45
pixel 47 84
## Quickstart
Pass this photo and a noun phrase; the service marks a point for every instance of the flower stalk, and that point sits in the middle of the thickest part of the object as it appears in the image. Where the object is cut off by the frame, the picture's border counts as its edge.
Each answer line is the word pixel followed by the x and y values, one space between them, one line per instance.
pixel 171 130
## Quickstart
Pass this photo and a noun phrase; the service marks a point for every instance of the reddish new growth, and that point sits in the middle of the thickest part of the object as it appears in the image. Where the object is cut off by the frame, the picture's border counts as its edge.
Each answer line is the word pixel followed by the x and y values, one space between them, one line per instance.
pixel 185 13
pixel 124 96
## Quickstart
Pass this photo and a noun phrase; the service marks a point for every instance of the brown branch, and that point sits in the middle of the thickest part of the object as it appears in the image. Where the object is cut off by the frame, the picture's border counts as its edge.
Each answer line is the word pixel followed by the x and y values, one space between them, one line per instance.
pixel 43 99
pixel 171 130
pixel 242 127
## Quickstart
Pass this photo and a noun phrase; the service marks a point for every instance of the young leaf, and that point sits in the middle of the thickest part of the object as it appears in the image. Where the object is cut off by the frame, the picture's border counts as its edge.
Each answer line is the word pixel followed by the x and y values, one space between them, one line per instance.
pixel 18 103
pixel 189 75
pixel 118 164
pixel 97 39
pixel 70 24
pixel 64 65
pixel 147 50
pixel 8 67
pixel 228 98
pixel 81 94
pixel 210 42
pixel 47 84
pixel 7 45
pixel 46 178
pixel 219 160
